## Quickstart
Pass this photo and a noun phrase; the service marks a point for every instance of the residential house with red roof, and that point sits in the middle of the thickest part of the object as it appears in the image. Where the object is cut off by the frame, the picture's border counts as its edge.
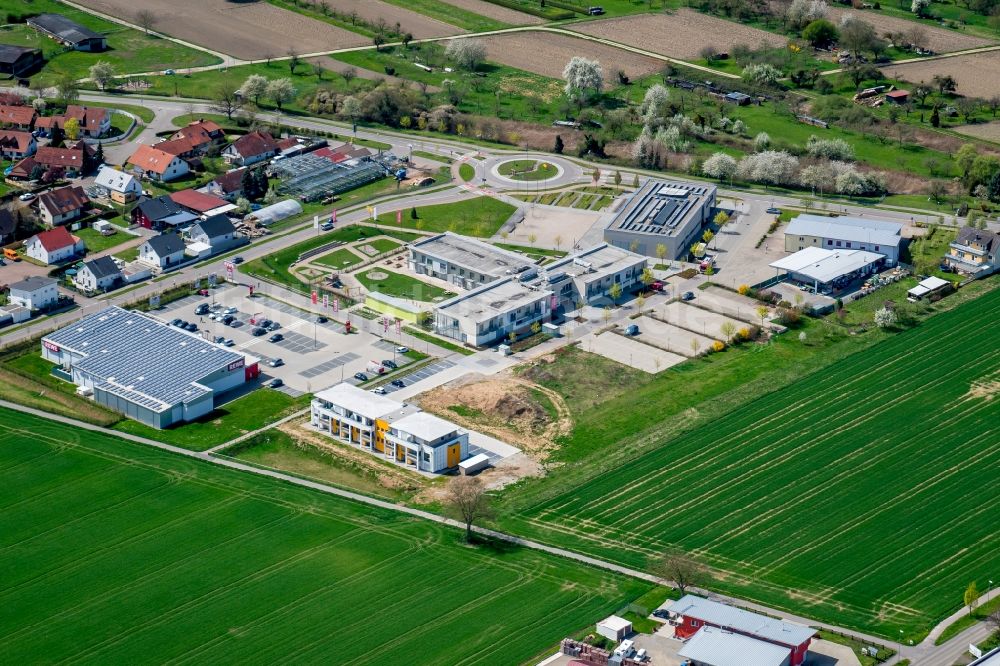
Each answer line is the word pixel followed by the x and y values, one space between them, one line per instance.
pixel 197 136
pixel 94 122
pixel 229 185
pixel 62 205
pixel 18 117
pixel 72 158
pixel 155 164
pixel 53 246
pixel 251 148
pixel 17 144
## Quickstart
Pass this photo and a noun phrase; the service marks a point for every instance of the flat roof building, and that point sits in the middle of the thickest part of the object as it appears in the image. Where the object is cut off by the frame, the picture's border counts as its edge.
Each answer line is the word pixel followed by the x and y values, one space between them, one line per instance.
pixel 588 276
pixel 491 312
pixel 398 431
pixel 668 213
pixel 820 267
pixel 717 647
pixel 464 262
pixel 847 233
pixel 141 367
pixel 927 287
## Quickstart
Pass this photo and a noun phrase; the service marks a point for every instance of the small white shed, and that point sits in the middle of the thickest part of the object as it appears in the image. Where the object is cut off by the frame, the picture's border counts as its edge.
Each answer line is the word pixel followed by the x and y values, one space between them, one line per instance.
pixel 614 628
pixel 478 462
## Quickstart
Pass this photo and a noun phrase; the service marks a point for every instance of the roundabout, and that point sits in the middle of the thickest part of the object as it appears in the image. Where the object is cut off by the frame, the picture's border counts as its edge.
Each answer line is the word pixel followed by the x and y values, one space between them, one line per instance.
pixel 528 170
pixel 518 172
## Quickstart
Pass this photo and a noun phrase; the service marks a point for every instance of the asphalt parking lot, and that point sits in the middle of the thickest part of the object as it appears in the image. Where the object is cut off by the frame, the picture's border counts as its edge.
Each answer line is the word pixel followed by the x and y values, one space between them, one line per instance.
pixel 314 355
pixel 422 373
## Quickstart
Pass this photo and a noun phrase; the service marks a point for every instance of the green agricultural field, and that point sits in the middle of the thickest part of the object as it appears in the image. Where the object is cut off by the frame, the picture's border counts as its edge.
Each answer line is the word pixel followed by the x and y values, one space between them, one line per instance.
pixel 128 50
pixel 863 494
pixel 480 216
pixel 116 552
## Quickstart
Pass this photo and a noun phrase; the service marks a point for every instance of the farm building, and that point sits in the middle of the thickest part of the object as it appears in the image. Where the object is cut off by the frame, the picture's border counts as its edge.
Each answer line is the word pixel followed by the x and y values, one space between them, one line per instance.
pixel 898 97
pixel 614 628
pixel 588 276
pixel 926 288
pixel 492 312
pixel 398 431
pixel 141 367
pixel 68 33
pixel 34 292
pixel 464 262
pixel 824 269
pixel 974 252
pixel 692 613
pixel 667 213
pixel 19 61
pixel 850 233
pixel 717 647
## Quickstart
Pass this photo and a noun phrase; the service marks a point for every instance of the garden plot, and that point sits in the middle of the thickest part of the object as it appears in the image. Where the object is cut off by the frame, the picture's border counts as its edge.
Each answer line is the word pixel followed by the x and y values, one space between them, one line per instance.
pixel 939 40
pixel 977 74
pixel 496 12
pixel 418 25
pixel 547 54
pixel 240 29
pixel 630 352
pixel 675 339
pixel 689 32
pixel 988 131
pixel 697 319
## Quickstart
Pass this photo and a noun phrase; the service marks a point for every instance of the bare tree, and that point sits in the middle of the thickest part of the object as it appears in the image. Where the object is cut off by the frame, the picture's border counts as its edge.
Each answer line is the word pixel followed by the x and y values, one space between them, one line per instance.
pixel 349 75
pixel 227 101
pixel 317 69
pixel 467 501
pixel 293 60
pixel 678 568
pixel 146 19
pixel 994 620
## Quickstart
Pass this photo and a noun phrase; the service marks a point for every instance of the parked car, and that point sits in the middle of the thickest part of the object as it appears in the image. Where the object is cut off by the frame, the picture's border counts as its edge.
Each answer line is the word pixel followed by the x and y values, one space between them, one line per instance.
pixel 277 337
pixel 229 342
pixel 662 613
pixel 230 310
pixel 688 296
pixel 360 376
pixel 201 309
pixel 379 390
pixel 237 260
pixel 595 11
pixel 276 382
pixel 390 364
pixel 192 327
pixel 177 322
pixel 275 363
pixel 219 339
pixel 264 323
pixel 228 319
pixel 321 319
pixel 632 329
pixel 258 331
pixel 402 350
pixel 774 211
pixel 398 383
pixel 326 226
pixel 273 326
pixel 27 196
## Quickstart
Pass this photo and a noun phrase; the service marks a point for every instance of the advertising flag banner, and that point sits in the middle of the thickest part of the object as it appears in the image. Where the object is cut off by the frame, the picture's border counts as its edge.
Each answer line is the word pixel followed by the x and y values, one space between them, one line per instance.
pixel 314 298
pixel 326 301
pixel 336 305
pixel 399 217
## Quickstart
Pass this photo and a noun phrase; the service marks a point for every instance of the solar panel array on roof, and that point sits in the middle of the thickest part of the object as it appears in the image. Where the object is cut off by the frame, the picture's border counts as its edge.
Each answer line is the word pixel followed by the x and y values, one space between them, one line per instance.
pixel 141 359
pixel 660 207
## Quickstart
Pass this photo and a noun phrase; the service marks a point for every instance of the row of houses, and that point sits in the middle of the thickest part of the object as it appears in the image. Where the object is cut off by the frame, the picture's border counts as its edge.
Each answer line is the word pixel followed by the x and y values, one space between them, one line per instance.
pixel 93 121
pixel 507 293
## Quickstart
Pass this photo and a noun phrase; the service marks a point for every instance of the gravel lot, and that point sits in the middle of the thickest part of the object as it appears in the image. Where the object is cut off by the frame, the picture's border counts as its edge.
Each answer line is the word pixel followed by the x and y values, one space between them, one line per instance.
pixel 939 40
pixel 547 54
pixel 689 31
pixel 242 30
pixel 496 12
pixel 977 75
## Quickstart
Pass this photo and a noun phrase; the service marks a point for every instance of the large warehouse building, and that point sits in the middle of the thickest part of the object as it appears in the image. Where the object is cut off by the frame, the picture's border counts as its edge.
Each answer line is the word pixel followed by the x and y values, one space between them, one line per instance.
pixel 398 431
pixel 845 233
pixel 667 213
pixel 145 369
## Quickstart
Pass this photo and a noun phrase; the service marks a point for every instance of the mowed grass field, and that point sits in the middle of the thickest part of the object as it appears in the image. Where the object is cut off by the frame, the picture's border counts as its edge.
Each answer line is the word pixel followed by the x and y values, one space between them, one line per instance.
pixel 864 494
pixel 115 552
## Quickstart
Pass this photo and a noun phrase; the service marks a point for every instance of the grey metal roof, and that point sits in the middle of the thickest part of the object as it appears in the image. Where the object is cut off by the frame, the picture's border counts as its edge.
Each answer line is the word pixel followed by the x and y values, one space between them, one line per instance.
pixel 855 229
pixel 724 648
pixel 662 207
pixel 66 29
pixel 142 359
pixel 166 244
pixel 32 283
pixel 730 617
pixel 159 207
pixel 103 267
pixel 215 226
pixel 10 54
pixel 472 254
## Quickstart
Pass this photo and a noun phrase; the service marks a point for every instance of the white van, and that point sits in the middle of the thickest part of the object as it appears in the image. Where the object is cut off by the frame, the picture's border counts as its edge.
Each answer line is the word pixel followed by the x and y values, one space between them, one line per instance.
pixel 376 367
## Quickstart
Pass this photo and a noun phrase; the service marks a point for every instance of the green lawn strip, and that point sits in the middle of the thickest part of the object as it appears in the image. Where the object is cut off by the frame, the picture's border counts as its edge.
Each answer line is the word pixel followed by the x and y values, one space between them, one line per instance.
pixel 480 216
pixel 144 114
pixel 467 172
pixel 26 379
pixel 884 652
pixel 537 251
pixel 276 449
pixel 980 614
pixel 816 406
pixel 219 118
pixel 128 50
pixel 97 242
pixel 527 170
pixel 340 258
pixel 400 285
pixel 128 254
pixel 383 245
pixel 451 14
pixel 434 340
pixel 209 548
pixel 250 412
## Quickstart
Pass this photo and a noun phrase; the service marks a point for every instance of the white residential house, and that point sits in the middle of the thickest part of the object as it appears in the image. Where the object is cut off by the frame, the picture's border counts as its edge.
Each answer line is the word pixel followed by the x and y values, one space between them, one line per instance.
pixel 53 246
pixel 99 274
pixel 62 205
pixel 122 187
pixel 163 251
pixel 34 293
pixel 217 232
pixel 155 164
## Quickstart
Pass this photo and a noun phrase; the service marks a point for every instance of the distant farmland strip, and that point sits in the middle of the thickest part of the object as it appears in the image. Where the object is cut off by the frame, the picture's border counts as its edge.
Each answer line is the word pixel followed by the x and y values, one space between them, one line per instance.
pixel 864 494
pixel 118 553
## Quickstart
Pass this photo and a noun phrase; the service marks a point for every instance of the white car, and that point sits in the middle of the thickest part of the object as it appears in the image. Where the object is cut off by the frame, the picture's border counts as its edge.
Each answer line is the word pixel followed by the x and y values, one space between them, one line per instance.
pixel 230 311
pixel 229 342
pixel 27 196
pixel 378 390
pixel 402 350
